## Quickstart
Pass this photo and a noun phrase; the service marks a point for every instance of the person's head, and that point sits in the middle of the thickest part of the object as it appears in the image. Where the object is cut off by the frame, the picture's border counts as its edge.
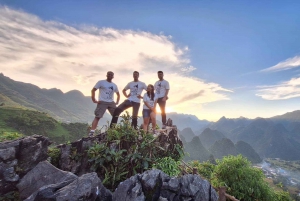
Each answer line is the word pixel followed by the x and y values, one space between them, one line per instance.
pixel 150 91
pixel 136 75
pixel 109 76
pixel 150 88
pixel 160 75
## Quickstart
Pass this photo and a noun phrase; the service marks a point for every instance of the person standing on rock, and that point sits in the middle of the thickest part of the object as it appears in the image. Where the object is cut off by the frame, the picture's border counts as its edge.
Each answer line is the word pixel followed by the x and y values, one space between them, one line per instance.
pixel 149 108
pixel 105 100
pixel 162 88
pixel 133 100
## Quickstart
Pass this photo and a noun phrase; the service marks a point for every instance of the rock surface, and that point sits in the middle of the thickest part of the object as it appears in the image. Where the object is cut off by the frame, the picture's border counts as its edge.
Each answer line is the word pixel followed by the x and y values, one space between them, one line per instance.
pixel 156 185
pixel 18 157
pixel 42 175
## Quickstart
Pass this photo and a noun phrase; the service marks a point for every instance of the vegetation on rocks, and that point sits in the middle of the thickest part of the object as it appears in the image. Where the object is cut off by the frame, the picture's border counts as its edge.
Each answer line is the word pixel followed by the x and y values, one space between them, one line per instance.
pixel 240 179
pixel 126 152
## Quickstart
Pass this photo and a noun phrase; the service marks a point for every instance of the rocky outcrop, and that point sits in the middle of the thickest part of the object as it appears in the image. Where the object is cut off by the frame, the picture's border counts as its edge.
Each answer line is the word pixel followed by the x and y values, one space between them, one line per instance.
pixel 78 162
pixel 42 175
pixel 24 167
pixel 156 185
pixel 18 157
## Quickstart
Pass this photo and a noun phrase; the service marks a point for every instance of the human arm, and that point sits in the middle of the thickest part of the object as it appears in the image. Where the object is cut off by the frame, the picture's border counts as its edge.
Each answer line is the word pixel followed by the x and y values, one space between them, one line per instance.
pixel 125 94
pixel 118 98
pixel 93 95
pixel 165 98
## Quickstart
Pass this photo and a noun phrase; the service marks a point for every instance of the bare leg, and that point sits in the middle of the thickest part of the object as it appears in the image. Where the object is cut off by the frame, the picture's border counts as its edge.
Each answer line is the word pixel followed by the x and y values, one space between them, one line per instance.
pixel 145 125
pixel 153 120
pixel 95 123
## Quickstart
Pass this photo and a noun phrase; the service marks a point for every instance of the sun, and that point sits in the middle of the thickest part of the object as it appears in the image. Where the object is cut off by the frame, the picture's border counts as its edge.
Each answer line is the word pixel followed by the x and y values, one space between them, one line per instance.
pixel 168 109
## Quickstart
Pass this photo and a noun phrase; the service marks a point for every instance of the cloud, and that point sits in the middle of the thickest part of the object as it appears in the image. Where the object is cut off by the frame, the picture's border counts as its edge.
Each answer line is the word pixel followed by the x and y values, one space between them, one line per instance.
pixel 52 54
pixel 285 90
pixel 284 65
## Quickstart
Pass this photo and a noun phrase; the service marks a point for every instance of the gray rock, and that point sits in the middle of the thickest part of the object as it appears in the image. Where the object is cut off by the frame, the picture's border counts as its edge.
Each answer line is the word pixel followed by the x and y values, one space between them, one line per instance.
pixel 47 192
pixel 8 153
pixel 129 190
pixel 156 185
pixel 42 175
pixel 88 187
pixel 17 157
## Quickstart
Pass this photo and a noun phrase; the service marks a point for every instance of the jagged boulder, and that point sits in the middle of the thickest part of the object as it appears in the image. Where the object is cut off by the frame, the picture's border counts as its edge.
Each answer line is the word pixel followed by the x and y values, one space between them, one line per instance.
pixel 46 182
pixel 18 157
pixel 42 175
pixel 156 185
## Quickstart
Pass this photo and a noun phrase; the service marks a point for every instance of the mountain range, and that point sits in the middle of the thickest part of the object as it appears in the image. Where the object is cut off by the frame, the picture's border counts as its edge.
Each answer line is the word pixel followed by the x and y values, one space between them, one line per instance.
pixel 276 137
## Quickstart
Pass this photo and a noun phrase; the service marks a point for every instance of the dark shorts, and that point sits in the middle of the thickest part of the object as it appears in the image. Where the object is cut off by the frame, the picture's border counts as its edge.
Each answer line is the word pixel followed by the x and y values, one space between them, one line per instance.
pixel 146 113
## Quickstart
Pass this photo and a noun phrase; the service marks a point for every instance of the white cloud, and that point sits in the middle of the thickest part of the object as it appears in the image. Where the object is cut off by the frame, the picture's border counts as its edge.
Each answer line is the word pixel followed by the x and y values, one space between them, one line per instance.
pixel 284 90
pixel 51 54
pixel 284 65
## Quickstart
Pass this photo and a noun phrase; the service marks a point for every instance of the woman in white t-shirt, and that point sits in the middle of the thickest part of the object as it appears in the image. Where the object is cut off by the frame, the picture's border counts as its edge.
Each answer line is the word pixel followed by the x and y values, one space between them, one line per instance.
pixel 149 108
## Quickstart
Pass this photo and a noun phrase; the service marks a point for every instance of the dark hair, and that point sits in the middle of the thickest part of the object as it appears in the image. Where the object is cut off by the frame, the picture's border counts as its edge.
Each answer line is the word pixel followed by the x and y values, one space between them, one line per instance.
pixel 160 72
pixel 136 72
pixel 151 93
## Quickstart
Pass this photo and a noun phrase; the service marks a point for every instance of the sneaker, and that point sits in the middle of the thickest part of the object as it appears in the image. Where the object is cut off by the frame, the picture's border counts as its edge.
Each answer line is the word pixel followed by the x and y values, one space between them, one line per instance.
pixel 91 134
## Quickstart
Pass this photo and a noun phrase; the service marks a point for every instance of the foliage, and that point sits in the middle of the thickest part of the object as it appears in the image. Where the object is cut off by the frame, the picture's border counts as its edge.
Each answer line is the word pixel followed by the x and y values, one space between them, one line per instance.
pixel 126 152
pixel 205 169
pixel 76 130
pixel 29 122
pixel 243 181
pixel 9 136
pixel 54 153
pixel 168 165
pixel 11 196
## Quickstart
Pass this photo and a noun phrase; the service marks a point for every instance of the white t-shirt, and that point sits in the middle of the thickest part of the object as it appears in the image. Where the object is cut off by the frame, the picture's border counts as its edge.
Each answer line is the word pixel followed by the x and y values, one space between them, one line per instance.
pixel 107 90
pixel 136 89
pixel 150 102
pixel 161 87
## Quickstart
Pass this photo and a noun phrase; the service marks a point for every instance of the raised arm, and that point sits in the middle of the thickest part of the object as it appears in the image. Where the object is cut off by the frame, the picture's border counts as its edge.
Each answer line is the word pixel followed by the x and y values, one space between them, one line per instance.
pixel 118 98
pixel 93 95
pixel 124 93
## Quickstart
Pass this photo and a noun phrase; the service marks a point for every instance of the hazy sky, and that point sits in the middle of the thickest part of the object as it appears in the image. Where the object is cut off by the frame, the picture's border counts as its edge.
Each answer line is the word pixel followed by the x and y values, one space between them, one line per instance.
pixel 222 58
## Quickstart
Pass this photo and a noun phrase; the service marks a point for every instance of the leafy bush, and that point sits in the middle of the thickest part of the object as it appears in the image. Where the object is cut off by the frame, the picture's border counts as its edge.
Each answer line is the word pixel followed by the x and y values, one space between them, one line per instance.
pixel 168 165
pixel 53 154
pixel 205 169
pixel 243 181
pixel 126 152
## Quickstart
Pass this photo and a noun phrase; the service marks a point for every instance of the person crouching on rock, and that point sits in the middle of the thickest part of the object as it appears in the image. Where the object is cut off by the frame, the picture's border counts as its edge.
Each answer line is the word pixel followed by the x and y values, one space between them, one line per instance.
pixel 149 108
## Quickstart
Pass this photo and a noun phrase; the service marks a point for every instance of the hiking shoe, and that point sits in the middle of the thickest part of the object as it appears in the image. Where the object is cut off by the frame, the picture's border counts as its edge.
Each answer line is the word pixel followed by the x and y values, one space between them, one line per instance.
pixel 91 134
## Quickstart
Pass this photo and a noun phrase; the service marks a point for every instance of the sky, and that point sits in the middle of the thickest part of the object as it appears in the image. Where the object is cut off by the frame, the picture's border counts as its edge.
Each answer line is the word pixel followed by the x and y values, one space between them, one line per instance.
pixel 221 58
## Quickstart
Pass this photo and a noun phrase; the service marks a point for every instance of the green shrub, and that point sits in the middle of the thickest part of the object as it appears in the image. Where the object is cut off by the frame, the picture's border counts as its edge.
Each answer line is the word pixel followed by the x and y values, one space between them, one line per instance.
pixel 168 165
pixel 53 154
pixel 205 169
pixel 244 181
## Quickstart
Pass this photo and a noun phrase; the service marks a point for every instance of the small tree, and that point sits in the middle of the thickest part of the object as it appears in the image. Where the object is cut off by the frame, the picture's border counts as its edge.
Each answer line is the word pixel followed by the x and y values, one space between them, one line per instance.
pixel 244 181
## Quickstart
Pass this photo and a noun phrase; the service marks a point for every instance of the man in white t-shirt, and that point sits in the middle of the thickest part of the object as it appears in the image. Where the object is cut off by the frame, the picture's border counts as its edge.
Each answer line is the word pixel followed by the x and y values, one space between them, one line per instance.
pixel 105 100
pixel 133 99
pixel 162 88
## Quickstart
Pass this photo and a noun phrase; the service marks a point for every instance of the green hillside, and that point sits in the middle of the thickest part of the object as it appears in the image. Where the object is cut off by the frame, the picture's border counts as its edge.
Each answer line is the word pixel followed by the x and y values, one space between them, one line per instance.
pixel 29 122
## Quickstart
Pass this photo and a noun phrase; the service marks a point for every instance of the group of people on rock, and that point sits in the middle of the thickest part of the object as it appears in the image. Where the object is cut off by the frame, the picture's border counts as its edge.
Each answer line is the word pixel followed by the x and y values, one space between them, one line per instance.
pixel 155 94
